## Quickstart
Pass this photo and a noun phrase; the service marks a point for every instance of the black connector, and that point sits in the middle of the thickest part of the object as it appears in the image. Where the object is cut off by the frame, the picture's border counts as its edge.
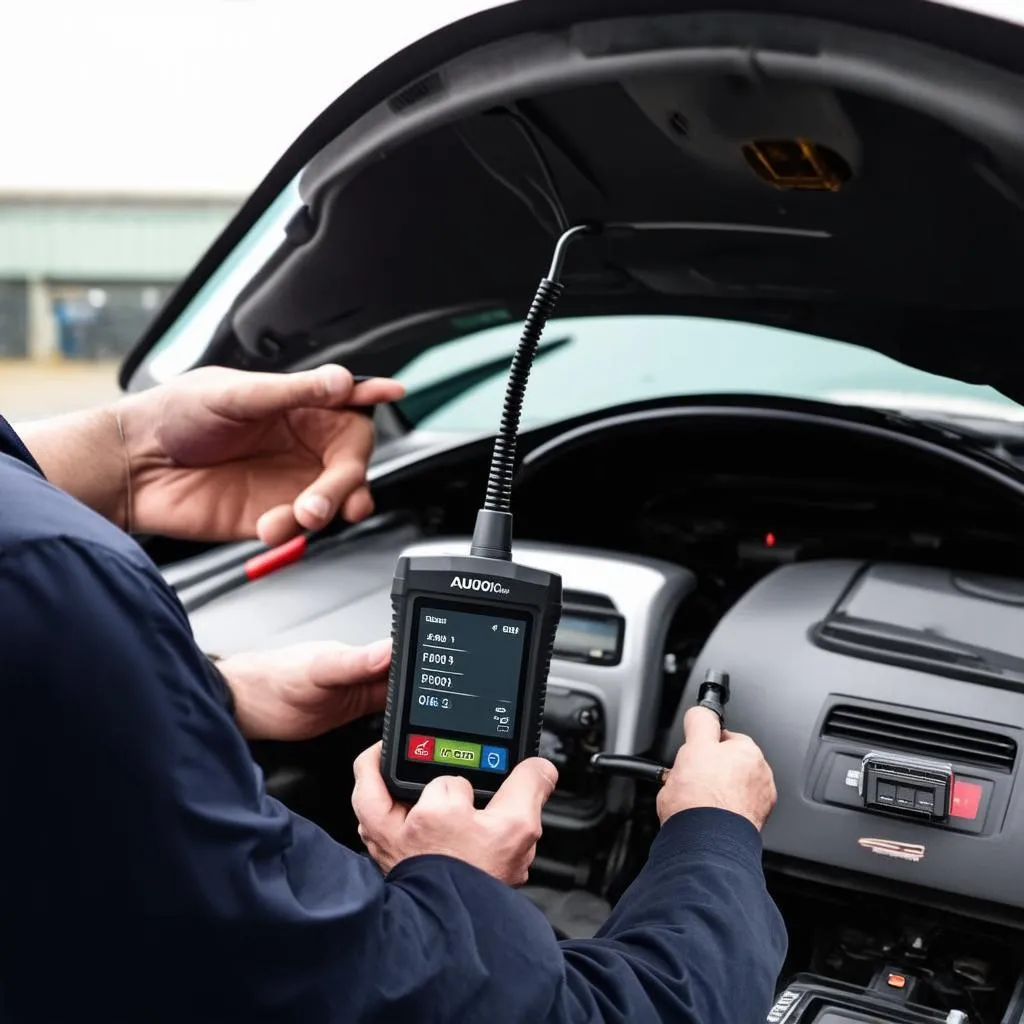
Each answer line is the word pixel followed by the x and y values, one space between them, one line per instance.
pixel 714 693
pixel 492 535
pixel 627 767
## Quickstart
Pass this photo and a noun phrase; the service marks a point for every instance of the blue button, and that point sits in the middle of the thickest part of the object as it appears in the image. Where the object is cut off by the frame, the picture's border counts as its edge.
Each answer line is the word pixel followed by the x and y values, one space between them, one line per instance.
pixel 494 759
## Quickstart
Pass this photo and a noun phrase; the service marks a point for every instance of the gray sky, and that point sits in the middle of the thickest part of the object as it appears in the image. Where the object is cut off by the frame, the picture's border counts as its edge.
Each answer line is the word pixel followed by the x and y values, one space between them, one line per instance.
pixel 181 95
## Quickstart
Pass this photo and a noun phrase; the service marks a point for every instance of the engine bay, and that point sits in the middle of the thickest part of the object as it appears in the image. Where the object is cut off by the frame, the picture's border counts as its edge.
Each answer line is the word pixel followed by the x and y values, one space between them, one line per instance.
pixel 859 583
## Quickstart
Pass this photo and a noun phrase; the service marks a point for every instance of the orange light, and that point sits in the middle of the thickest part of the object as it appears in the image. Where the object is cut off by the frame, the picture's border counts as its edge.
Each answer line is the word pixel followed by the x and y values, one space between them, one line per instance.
pixel 896 981
pixel 769 540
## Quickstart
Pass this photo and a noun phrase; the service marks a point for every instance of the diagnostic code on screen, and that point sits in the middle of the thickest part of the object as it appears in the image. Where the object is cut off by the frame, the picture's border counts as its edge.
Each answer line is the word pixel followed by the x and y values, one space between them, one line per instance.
pixel 466 672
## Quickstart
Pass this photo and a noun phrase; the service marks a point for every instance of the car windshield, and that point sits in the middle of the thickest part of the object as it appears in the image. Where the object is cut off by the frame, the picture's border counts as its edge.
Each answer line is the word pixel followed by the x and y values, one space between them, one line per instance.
pixel 592 363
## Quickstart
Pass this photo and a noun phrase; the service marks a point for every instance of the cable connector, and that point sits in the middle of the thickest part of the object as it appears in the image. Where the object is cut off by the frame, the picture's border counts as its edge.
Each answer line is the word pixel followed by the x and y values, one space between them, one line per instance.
pixel 714 693
pixel 492 535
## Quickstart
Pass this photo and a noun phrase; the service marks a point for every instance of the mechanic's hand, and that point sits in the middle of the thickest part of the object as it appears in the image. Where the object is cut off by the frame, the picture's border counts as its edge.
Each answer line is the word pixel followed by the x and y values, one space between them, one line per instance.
pixel 501 839
pixel 222 454
pixel 717 768
pixel 295 693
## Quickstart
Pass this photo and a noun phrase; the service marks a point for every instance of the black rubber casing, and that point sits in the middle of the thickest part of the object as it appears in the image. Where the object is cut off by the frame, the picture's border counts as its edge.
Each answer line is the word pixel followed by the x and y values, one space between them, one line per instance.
pixel 532 593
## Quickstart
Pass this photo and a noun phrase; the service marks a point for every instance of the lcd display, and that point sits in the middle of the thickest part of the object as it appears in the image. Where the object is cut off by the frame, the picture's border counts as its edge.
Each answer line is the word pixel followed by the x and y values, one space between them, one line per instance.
pixel 464 698
pixel 589 637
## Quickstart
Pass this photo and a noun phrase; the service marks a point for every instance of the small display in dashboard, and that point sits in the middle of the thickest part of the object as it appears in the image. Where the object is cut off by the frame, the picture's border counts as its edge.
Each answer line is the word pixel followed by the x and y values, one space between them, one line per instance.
pixel 467 667
pixel 589 637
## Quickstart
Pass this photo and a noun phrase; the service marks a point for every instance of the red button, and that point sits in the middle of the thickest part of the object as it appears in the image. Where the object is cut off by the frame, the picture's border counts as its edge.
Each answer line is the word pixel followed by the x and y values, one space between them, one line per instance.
pixel 966 799
pixel 896 981
pixel 421 748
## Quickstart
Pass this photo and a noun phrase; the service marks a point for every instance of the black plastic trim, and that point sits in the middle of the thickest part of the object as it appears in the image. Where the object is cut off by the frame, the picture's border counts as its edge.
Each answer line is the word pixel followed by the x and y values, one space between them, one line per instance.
pixel 892 645
pixel 902 891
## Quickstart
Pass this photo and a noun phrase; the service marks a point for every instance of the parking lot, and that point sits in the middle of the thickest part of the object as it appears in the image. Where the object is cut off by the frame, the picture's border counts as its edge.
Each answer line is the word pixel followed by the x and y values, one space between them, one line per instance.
pixel 31 390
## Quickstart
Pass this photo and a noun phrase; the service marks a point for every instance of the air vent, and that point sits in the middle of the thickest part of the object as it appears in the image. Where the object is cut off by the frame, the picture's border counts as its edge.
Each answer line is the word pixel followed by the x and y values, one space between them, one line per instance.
pixel 875 727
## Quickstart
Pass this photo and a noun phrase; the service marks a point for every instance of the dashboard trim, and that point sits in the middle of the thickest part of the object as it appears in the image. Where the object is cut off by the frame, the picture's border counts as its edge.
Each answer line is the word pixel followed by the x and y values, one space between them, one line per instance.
pixel 980 461
pixel 783 683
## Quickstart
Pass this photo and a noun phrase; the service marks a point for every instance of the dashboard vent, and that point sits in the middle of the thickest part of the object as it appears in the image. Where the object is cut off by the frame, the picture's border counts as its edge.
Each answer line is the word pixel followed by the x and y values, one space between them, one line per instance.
pixel 875 727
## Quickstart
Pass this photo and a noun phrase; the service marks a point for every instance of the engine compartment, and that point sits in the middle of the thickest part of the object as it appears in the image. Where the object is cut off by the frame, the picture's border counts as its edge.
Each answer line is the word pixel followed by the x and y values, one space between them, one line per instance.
pixel 748 541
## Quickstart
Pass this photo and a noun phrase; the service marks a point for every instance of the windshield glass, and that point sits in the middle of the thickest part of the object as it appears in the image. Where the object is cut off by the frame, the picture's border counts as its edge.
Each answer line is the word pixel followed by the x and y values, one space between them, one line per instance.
pixel 592 363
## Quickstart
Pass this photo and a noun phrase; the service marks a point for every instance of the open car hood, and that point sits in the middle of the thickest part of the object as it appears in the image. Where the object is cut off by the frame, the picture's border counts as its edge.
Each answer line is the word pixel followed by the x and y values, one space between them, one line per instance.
pixel 432 192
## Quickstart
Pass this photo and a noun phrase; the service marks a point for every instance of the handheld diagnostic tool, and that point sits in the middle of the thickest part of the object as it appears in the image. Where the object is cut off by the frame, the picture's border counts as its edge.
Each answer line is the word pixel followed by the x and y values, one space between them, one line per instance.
pixel 472 635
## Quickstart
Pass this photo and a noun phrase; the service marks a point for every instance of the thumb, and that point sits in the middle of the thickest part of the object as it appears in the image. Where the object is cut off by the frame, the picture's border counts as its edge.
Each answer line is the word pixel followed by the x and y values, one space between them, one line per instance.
pixel 258 395
pixel 701 727
pixel 525 792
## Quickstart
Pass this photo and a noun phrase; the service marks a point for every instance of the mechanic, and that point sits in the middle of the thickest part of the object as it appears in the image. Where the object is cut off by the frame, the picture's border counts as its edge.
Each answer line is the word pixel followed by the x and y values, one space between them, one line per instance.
pixel 147 876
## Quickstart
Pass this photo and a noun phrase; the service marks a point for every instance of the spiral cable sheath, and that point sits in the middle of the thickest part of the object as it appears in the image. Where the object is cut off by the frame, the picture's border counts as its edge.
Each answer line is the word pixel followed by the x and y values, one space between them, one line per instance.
pixel 502 470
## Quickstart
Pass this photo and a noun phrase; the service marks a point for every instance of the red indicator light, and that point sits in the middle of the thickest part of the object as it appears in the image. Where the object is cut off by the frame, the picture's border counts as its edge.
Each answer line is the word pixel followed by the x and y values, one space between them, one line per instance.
pixel 769 540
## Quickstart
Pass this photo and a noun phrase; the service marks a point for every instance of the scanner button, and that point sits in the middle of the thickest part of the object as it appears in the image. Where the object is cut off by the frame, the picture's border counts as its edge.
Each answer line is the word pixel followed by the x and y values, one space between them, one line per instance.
pixel 904 796
pixel 886 793
pixel 457 752
pixel 420 748
pixel 494 759
pixel 924 800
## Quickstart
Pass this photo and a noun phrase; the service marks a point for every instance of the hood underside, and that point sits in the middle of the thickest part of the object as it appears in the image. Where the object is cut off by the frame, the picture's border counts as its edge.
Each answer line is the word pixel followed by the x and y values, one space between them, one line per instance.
pixel 820 176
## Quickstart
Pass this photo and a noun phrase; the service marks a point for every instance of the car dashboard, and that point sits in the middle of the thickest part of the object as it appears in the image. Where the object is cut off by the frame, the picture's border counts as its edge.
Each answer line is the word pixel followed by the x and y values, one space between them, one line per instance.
pixel 863 588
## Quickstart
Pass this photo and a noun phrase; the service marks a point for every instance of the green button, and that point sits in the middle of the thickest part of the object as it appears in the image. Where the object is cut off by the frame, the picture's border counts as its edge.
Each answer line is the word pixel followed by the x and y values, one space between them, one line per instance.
pixel 457 752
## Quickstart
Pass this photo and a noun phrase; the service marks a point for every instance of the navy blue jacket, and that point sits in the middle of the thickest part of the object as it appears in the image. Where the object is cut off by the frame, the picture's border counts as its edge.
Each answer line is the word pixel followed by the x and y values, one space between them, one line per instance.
pixel 146 876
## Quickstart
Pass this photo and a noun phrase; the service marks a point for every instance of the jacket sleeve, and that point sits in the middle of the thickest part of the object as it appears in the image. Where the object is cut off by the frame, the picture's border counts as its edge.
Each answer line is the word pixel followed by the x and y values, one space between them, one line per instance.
pixel 696 939
pixel 146 874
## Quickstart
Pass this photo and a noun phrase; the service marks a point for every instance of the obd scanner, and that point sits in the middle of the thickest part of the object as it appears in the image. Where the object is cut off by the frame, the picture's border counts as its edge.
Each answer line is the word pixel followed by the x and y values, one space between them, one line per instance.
pixel 472 635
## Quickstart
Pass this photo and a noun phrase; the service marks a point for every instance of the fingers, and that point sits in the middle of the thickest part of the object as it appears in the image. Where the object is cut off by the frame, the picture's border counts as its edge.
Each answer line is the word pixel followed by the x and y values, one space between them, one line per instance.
pixel 277 525
pixel 525 792
pixel 340 486
pixel 376 391
pixel 319 503
pixel 255 396
pixel 339 665
pixel 372 698
pixel 358 505
pixel 701 727
pixel 443 797
pixel 373 804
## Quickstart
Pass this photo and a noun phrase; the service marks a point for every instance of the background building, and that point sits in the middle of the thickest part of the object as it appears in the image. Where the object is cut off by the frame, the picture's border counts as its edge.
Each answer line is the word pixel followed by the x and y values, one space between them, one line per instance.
pixel 81 275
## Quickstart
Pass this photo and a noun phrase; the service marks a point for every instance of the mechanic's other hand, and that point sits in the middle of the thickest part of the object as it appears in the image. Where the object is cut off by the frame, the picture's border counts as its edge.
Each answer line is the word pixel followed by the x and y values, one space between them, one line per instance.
pixel 717 768
pixel 501 839
pixel 220 454
pixel 297 692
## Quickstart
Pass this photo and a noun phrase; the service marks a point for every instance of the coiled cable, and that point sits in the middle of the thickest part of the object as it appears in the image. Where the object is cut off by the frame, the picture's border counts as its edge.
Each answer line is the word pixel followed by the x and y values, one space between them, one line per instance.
pixel 492 537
